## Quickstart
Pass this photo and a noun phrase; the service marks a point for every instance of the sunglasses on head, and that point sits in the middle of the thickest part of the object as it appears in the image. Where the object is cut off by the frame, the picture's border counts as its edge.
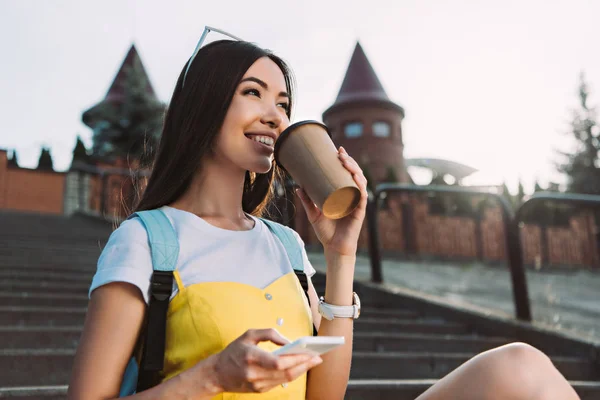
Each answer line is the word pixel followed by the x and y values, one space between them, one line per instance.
pixel 207 29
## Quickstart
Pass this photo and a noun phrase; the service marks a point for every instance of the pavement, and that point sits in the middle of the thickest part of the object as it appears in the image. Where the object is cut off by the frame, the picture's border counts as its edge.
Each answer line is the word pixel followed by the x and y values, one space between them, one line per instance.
pixel 567 300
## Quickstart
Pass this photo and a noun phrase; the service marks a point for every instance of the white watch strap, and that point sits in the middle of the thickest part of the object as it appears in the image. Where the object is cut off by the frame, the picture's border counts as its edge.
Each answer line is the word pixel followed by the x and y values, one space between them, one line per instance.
pixel 330 311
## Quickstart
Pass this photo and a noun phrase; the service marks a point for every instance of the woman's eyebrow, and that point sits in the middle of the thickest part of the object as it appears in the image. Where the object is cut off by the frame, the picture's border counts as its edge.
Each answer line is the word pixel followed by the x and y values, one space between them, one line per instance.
pixel 263 85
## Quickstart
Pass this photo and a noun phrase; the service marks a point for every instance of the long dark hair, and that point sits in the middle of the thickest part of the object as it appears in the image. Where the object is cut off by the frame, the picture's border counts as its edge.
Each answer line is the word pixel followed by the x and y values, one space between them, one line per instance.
pixel 193 120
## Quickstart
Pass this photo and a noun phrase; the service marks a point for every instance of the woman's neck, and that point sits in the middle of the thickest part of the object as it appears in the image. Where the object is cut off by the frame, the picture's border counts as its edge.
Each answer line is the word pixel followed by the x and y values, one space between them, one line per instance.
pixel 215 195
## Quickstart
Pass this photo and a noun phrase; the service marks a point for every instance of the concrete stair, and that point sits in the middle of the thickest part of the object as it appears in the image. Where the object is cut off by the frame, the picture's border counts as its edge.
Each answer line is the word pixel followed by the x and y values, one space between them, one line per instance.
pixel 403 343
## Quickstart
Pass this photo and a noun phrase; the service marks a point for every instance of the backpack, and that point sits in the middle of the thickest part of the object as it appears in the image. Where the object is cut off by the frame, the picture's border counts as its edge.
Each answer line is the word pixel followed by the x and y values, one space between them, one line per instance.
pixel 164 247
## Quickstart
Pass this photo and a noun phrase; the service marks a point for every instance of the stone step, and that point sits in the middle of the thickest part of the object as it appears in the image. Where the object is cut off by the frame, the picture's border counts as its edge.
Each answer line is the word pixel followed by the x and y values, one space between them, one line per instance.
pixel 367 324
pixel 409 389
pixel 40 337
pixel 57 392
pixel 43 286
pixel 41 316
pixel 32 299
pixel 68 267
pixel 371 312
pixel 49 262
pixel 45 275
pixel 358 389
pixel 406 365
pixel 23 367
pixel 390 342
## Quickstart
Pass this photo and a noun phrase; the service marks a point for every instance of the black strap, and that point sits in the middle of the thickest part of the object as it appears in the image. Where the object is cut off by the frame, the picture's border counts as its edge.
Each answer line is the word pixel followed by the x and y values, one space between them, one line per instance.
pixel 153 351
pixel 304 283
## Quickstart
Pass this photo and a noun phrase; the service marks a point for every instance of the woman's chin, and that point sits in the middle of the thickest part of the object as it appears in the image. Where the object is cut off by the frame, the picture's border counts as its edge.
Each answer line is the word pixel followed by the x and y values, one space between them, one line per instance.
pixel 261 168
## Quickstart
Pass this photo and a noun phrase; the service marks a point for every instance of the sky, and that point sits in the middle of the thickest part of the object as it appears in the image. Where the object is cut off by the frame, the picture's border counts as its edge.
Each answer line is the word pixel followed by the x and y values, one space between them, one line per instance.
pixel 491 84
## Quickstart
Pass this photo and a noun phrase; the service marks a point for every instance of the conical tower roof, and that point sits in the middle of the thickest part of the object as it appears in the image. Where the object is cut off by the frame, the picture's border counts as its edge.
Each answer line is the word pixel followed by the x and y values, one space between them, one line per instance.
pixel 116 92
pixel 361 84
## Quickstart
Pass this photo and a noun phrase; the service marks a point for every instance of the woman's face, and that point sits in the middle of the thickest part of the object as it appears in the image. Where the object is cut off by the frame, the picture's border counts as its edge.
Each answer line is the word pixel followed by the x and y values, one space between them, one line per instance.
pixel 255 119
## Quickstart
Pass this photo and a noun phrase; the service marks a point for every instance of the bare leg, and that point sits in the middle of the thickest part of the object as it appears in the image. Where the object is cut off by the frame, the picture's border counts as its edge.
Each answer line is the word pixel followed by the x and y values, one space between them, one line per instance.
pixel 513 372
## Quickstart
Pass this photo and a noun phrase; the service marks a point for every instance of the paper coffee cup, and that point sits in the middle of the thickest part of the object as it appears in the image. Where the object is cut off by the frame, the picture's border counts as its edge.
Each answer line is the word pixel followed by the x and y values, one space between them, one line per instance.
pixel 306 152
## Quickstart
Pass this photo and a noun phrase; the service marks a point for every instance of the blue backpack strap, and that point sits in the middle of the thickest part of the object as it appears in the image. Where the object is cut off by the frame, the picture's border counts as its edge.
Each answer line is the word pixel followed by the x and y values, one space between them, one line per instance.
pixel 292 247
pixel 164 247
pixel 162 239
pixel 294 253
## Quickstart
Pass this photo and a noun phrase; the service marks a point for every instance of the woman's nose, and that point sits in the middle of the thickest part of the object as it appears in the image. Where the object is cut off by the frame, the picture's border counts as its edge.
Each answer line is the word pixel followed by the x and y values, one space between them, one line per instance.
pixel 272 117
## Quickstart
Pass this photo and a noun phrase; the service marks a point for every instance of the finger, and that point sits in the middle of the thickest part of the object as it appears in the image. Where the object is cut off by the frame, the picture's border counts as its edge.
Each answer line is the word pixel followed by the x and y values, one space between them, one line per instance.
pixel 293 373
pixel 312 211
pixel 256 336
pixel 257 373
pixel 262 358
pixel 273 378
pixel 350 164
pixel 292 360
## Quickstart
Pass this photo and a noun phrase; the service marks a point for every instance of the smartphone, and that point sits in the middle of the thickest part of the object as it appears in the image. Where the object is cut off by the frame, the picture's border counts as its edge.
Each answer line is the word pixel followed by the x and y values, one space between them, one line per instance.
pixel 311 345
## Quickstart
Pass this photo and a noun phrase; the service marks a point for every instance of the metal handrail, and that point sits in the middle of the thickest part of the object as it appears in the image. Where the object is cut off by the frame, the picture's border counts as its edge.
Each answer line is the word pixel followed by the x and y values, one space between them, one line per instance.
pixel 513 242
pixel 586 200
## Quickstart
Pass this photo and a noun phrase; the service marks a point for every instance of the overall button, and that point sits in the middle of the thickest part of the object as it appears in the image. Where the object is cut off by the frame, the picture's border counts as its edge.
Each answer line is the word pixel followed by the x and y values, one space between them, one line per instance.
pixel 284 385
pixel 268 296
pixel 279 321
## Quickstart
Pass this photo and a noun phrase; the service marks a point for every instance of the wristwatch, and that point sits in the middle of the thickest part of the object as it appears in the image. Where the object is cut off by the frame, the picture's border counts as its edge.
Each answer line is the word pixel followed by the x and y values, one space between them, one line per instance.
pixel 329 311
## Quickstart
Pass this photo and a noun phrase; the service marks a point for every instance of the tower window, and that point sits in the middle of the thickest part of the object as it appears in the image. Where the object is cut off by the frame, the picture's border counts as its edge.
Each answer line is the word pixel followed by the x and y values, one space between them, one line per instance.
pixel 353 129
pixel 381 129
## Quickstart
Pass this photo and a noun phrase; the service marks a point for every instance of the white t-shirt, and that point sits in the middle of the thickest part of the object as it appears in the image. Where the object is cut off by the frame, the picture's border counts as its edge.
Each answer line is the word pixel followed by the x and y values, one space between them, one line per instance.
pixel 206 254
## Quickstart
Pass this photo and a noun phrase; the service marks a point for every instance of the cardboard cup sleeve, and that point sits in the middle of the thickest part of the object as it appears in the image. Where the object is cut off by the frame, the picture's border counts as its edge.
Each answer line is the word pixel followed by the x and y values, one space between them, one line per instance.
pixel 306 152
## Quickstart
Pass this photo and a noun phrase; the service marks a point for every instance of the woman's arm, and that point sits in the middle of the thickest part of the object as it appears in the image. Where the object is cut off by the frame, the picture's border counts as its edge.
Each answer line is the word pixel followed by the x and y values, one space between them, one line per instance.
pixel 113 322
pixel 340 239
pixel 330 379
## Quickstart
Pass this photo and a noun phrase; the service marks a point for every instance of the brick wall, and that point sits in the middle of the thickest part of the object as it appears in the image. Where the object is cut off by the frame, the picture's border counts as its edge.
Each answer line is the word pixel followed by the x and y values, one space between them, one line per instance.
pixel 463 238
pixel 30 190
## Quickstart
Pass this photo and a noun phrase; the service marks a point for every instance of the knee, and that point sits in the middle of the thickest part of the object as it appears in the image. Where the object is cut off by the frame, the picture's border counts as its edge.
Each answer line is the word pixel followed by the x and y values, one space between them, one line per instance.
pixel 520 369
pixel 522 355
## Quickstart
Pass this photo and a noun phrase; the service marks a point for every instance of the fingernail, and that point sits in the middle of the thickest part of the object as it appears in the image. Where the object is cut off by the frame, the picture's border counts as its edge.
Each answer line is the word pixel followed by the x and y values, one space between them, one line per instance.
pixel 316 360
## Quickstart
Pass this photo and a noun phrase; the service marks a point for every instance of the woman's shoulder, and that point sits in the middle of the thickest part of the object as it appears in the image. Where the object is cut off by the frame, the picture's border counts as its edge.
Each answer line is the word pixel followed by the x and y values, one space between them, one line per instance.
pixel 285 228
pixel 130 231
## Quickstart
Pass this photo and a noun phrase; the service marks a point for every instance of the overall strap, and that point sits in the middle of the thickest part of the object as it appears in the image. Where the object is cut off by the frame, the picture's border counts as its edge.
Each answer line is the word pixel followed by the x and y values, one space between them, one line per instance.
pixel 164 247
pixel 294 253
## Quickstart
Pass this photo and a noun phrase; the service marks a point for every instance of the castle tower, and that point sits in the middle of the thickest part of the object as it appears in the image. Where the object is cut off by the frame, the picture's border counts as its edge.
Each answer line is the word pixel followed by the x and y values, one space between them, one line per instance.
pixel 131 76
pixel 367 123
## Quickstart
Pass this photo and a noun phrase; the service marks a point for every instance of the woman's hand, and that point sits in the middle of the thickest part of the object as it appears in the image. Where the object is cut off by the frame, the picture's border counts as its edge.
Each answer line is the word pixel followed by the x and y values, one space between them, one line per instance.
pixel 244 367
pixel 339 236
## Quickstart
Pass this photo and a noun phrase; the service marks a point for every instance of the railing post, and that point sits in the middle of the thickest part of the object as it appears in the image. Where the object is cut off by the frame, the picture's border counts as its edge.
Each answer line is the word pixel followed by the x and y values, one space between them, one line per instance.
pixel 374 253
pixel 515 262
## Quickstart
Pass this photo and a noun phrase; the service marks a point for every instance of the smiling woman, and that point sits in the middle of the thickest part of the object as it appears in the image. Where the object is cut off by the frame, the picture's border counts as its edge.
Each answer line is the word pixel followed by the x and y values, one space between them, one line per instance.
pixel 213 175
pixel 232 286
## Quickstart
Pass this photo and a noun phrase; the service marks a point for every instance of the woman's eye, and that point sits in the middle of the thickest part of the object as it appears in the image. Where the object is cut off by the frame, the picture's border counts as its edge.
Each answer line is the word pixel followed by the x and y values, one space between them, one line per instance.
pixel 285 106
pixel 253 92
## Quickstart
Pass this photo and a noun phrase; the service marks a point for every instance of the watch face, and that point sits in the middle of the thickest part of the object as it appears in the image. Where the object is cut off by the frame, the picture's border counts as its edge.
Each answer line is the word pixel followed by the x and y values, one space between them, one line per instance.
pixel 356 302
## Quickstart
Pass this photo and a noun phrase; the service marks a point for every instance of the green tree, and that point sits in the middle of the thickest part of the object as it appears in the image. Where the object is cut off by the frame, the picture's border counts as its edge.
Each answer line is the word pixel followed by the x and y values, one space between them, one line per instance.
pixel 520 193
pixel 80 152
pixel 45 161
pixel 538 187
pixel 131 128
pixel 13 161
pixel 583 165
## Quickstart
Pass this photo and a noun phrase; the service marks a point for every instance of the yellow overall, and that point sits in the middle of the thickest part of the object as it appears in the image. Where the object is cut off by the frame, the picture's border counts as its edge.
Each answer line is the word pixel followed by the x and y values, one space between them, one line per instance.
pixel 204 318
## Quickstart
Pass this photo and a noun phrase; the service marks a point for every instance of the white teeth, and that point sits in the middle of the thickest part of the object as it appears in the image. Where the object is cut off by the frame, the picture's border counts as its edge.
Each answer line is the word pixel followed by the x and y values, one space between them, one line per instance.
pixel 264 139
